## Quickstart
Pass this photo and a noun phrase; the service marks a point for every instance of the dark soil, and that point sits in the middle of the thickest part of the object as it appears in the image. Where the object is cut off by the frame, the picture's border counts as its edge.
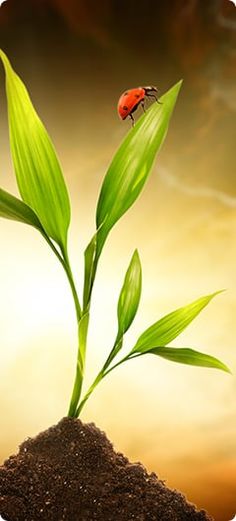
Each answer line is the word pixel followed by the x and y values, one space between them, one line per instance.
pixel 71 472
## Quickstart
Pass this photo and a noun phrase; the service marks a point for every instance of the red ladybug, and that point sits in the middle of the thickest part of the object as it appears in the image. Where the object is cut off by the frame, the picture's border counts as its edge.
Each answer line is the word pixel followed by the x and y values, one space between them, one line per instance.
pixel 132 98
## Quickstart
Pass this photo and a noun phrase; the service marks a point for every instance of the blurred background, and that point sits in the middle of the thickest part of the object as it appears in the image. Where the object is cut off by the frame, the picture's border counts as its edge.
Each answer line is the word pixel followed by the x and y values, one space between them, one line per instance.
pixel 76 58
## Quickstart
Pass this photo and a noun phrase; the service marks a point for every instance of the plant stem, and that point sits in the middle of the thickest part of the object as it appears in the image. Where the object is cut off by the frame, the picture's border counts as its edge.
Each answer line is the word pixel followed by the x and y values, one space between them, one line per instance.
pixel 82 321
pixel 90 390
pixel 127 357
pixel 66 265
pixel 116 348
pixel 82 337
pixel 99 377
pixel 72 284
pixel 117 345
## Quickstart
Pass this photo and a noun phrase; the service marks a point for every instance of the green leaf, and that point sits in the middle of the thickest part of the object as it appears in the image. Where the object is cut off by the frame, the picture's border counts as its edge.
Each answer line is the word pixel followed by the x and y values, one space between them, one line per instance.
pixel 128 304
pixel 132 164
pixel 13 208
pixel 89 258
pixel 130 294
pixel 38 173
pixel 184 355
pixel 169 327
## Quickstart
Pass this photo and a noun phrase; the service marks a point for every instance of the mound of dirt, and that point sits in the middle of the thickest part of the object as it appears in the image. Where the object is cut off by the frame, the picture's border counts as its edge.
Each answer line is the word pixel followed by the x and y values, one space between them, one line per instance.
pixel 71 472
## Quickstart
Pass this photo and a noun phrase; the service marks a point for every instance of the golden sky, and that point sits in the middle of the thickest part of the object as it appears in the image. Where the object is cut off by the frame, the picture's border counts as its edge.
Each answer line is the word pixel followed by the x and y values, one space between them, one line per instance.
pixel 179 421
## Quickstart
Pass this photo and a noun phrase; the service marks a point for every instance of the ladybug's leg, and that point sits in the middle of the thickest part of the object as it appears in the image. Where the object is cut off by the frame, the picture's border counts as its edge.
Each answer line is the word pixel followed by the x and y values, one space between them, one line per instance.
pixel 131 117
pixel 133 110
pixel 153 96
pixel 143 105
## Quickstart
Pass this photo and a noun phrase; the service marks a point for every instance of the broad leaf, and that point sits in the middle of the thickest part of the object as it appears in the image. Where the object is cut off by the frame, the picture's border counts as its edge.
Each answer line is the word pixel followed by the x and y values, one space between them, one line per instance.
pixel 13 208
pixel 130 294
pixel 169 327
pixel 132 164
pixel 39 176
pixel 185 355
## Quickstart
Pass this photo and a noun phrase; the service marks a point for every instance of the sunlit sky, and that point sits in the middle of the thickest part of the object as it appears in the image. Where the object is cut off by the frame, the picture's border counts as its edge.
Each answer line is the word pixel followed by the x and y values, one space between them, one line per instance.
pixel 179 421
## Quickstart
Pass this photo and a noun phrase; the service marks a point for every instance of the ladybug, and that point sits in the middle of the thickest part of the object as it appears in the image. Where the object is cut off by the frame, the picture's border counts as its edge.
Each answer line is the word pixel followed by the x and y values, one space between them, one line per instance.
pixel 132 98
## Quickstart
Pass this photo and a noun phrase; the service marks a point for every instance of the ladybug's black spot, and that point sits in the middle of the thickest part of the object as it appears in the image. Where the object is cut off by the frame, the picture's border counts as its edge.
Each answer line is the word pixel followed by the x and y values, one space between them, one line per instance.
pixel 137 95
pixel 126 93
pixel 124 107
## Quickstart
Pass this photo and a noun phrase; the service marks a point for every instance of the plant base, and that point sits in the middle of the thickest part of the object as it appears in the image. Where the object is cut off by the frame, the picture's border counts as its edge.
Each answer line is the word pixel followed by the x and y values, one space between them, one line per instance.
pixel 71 472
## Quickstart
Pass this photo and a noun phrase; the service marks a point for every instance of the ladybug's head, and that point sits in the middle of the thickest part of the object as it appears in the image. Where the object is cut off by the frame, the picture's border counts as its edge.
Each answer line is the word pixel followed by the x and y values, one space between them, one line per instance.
pixel 150 89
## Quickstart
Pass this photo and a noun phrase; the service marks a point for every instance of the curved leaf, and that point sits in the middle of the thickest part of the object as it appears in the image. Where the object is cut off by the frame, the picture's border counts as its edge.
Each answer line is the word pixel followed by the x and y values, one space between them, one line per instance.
pixel 39 176
pixel 169 327
pixel 15 209
pixel 185 355
pixel 130 294
pixel 132 164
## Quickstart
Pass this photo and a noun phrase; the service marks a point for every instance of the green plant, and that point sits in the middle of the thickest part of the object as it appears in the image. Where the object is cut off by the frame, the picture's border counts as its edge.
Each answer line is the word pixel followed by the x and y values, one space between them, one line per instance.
pixel 45 205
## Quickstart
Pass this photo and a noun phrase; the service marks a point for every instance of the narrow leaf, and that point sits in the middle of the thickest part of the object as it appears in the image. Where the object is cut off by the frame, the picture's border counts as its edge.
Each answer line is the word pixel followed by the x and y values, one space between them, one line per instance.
pixel 130 294
pixel 185 355
pixel 39 176
pixel 132 164
pixel 169 327
pixel 89 257
pixel 128 303
pixel 13 208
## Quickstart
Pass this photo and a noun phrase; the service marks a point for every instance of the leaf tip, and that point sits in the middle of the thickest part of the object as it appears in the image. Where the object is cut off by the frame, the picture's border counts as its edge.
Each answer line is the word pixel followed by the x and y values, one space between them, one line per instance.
pixel 178 86
pixel 4 59
pixel 171 95
pixel 226 369
pixel 212 295
pixel 136 255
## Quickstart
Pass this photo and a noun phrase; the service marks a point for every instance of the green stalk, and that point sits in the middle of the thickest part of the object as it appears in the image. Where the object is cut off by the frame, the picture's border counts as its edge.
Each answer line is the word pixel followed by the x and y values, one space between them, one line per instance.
pixel 127 357
pixel 82 337
pixel 66 265
pixel 116 348
pixel 82 321
pixel 72 284
pixel 99 376
pixel 98 379
pixel 102 374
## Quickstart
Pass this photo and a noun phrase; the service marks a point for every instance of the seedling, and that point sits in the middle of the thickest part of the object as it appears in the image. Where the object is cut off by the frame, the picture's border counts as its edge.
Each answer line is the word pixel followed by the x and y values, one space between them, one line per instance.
pixel 45 205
